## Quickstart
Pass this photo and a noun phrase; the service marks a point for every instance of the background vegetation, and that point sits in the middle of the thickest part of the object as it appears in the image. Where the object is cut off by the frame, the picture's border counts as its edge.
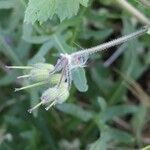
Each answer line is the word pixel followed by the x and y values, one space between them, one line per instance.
pixel 113 112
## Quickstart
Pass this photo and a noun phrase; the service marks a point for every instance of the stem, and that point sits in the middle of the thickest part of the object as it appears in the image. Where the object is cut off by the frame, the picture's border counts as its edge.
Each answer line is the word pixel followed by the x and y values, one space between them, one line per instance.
pixel 30 86
pixel 53 103
pixel 113 42
pixel 124 4
pixel 19 67
pixel 115 55
pixel 36 106
pixel 24 76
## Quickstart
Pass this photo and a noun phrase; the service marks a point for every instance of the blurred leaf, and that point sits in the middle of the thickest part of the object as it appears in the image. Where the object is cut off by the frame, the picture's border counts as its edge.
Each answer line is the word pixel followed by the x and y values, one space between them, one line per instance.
pixel 139 120
pixel 9 52
pixel 35 39
pixel 101 143
pixel 7 4
pixel 117 111
pixel 120 136
pixel 34 100
pixel 148 31
pixel 40 55
pixel 98 35
pixel 102 103
pixel 9 78
pixel 76 111
pixel 147 60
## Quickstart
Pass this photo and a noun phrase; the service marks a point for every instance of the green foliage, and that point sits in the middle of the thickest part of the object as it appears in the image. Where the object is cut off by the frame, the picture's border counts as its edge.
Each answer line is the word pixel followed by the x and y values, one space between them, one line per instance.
pixel 148 31
pixel 110 114
pixel 43 10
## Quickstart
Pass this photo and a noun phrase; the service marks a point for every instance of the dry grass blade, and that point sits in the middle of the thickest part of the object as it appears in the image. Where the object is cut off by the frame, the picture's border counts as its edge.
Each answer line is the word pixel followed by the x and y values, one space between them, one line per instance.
pixel 136 89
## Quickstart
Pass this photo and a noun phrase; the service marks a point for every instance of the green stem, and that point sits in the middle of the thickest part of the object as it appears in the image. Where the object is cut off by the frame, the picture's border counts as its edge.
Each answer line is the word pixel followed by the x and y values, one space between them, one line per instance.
pixel 30 86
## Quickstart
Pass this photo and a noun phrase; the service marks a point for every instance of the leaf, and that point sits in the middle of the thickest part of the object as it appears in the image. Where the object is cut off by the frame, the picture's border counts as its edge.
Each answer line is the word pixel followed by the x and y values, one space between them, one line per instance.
pixel 8 79
pixel 84 2
pixel 120 136
pixel 28 37
pixel 101 143
pixel 117 111
pixel 44 49
pixel 79 79
pixel 148 32
pixel 43 10
pixel 102 103
pixel 7 4
pixel 40 10
pixel 139 120
pixel 68 8
pixel 147 60
pixel 8 51
pixel 76 111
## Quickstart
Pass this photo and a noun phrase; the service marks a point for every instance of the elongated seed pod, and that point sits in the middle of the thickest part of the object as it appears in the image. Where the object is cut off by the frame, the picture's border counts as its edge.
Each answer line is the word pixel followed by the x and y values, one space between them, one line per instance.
pixel 113 42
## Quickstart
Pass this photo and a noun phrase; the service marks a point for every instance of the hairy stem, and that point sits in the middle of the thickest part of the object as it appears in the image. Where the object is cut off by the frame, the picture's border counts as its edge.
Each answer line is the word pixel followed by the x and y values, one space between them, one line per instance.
pixel 112 43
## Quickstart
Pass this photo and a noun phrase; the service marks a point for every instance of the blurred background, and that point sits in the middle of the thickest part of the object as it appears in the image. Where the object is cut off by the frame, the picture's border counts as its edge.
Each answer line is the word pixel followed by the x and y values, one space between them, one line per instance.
pixel 108 106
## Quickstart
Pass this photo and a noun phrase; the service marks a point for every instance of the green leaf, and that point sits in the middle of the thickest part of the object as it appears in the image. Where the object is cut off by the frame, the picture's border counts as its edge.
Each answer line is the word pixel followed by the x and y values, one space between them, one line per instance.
pixel 35 39
pixel 40 10
pixel 84 2
pixel 7 79
pixel 43 10
pixel 8 51
pixel 120 136
pixel 7 4
pixel 79 79
pixel 76 111
pixel 69 8
pixel 117 111
pixel 148 31
pixel 101 143
pixel 139 120
pixel 102 103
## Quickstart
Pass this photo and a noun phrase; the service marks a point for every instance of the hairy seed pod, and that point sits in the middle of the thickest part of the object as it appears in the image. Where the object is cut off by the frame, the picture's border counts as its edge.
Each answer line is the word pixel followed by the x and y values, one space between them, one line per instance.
pixel 40 72
pixel 55 94
pixel 54 79
pixel 44 66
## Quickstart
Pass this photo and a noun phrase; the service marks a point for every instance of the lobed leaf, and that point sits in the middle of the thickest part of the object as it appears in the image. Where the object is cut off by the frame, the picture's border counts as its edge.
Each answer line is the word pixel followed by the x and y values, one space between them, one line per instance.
pixel 43 10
